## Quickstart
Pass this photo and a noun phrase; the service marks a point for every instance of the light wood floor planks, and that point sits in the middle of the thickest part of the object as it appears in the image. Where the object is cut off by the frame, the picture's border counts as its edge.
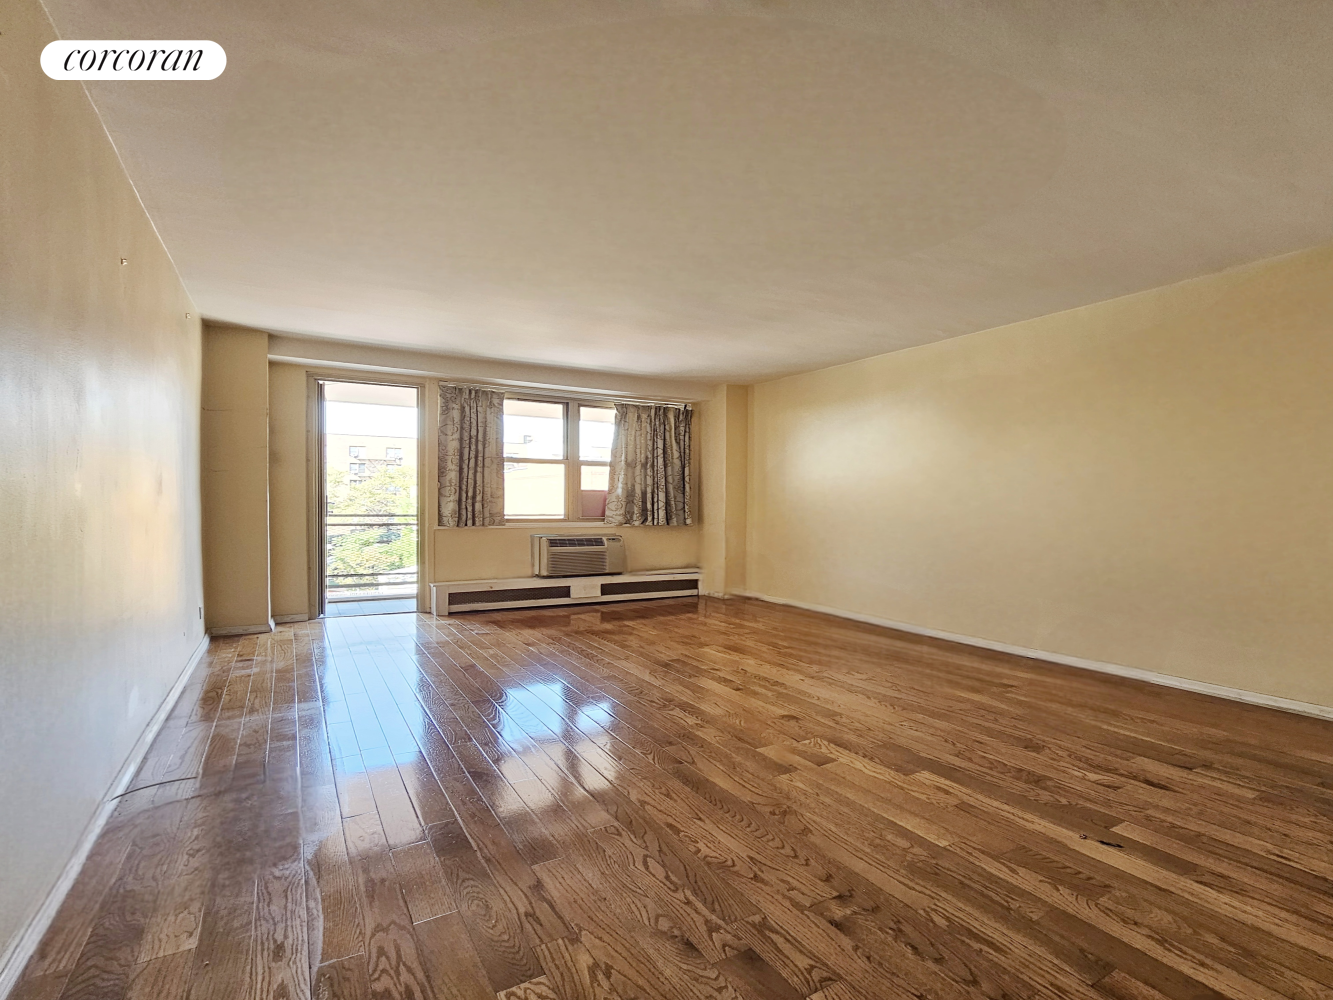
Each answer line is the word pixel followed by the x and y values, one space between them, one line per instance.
pixel 698 799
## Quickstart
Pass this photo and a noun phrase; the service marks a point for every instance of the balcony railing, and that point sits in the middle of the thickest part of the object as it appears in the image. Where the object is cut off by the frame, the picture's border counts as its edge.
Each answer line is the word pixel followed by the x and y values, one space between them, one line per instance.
pixel 370 584
pixel 396 583
pixel 374 520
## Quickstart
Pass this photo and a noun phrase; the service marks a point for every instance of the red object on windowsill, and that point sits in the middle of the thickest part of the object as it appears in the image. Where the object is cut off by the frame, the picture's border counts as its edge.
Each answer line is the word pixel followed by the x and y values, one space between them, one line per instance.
pixel 592 503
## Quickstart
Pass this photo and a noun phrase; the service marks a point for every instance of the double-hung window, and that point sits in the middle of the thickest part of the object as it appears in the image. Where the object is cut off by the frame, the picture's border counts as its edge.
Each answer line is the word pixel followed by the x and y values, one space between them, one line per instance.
pixel 557 459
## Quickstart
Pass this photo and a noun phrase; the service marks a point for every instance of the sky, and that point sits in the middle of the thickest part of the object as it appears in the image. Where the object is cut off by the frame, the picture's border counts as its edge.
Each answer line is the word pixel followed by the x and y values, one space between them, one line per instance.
pixel 370 419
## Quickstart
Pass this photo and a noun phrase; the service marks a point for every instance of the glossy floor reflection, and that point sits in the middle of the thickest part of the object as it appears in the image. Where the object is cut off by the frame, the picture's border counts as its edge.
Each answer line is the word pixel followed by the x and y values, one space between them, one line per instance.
pixel 695 798
pixel 378 606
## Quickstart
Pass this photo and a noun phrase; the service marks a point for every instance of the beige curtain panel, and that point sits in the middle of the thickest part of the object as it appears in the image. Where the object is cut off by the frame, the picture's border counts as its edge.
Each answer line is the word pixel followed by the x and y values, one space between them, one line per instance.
pixel 472 476
pixel 650 466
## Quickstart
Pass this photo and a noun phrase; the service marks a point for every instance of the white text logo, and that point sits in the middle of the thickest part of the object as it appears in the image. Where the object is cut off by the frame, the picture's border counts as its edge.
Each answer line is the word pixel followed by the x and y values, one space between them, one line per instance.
pixel 133 60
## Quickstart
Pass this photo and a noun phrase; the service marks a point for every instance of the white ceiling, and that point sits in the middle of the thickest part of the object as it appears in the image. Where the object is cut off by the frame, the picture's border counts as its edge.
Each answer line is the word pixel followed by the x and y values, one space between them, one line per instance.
pixel 710 189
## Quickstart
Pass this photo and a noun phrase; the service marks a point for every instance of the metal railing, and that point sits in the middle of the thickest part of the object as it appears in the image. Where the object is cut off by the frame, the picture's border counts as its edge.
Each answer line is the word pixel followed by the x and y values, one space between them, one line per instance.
pixel 372 584
pixel 370 520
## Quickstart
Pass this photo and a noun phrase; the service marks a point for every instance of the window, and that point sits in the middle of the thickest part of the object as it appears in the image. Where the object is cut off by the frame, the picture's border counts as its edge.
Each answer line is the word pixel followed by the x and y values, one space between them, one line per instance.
pixel 357 468
pixel 393 454
pixel 596 426
pixel 356 450
pixel 557 459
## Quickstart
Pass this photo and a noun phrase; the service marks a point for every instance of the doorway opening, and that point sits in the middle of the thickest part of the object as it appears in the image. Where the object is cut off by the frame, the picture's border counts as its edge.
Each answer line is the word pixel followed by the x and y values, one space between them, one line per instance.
pixel 369 498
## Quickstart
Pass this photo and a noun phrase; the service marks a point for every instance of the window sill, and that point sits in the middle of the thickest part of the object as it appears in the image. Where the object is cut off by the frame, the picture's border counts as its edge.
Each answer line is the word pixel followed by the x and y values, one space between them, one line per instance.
pixel 562 520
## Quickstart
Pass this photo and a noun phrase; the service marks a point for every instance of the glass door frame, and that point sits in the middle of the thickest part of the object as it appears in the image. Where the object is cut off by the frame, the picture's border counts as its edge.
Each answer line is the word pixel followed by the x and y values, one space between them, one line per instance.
pixel 316 459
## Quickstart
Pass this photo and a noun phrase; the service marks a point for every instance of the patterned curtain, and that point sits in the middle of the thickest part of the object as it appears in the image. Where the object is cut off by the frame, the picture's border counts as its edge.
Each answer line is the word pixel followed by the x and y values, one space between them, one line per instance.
pixel 472 477
pixel 650 466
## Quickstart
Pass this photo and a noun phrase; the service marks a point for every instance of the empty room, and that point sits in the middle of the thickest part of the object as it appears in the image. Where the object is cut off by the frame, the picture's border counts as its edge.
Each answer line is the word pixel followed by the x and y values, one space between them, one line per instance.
pixel 605 500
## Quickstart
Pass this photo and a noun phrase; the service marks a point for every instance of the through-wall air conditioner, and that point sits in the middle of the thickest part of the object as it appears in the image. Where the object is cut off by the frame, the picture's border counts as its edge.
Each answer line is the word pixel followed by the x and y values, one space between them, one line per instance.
pixel 577 555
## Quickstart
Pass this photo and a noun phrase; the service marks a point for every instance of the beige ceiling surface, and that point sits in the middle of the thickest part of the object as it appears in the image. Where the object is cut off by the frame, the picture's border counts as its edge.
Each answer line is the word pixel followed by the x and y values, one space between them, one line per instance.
pixel 716 190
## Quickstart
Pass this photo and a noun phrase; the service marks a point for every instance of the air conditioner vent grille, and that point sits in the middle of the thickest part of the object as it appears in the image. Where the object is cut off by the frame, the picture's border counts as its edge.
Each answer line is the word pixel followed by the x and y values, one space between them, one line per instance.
pixel 577 555
pixel 576 542
pixel 575 563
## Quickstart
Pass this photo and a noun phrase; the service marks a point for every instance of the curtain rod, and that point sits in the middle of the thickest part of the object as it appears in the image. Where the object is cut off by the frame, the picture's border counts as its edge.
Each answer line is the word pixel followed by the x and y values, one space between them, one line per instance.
pixel 519 388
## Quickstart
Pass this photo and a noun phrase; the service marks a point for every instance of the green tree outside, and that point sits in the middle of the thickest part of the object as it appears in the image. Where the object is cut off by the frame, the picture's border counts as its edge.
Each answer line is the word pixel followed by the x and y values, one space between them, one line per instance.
pixel 380 549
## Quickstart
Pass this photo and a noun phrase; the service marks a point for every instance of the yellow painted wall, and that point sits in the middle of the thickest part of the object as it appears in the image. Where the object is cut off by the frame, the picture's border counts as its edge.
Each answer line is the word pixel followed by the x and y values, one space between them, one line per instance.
pixel 289 491
pixel 235 479
pixel 99 398
pixel 504 552
pixel 1146 482
pixel 723 444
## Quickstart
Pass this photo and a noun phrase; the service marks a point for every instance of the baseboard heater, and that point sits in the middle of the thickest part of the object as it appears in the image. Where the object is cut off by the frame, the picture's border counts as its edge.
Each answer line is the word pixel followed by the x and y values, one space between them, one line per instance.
pixel 533 592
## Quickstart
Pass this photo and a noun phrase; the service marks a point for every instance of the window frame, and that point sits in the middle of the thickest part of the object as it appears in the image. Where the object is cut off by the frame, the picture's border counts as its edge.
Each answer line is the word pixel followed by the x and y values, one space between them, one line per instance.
pixel 572 462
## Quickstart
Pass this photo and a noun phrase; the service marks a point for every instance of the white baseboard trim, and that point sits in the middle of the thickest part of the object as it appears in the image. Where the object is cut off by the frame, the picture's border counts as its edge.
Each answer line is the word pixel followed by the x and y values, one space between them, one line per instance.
pixel 242 629
pixel 23 944
pixel 288 619
pixel 1151 676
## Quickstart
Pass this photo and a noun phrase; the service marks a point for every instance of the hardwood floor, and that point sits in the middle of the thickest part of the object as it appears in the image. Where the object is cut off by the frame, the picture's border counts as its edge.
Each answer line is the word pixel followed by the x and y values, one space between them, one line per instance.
pixel 372 606
pixel 698 798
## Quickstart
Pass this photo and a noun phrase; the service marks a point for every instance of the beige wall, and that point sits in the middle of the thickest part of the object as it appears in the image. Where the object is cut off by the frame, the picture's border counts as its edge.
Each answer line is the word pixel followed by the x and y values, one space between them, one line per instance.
pixel 289 491
pixel 724 448
pixel 234 433
pixel 99 395
pixel 1144 482
pixel 503 552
